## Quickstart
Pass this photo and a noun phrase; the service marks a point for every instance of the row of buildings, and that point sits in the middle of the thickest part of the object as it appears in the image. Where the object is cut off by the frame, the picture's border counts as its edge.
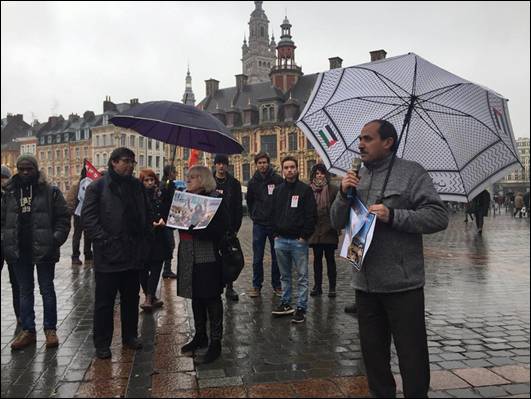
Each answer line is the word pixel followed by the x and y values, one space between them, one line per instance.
pixel 260 110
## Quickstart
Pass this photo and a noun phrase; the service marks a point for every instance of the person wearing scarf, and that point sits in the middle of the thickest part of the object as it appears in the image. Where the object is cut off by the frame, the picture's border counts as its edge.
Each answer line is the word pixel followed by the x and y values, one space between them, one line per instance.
pixel 325 239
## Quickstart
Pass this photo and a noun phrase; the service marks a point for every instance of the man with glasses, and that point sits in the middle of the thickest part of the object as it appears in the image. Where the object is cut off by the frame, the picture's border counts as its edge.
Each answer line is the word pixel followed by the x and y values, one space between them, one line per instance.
pixel 117 218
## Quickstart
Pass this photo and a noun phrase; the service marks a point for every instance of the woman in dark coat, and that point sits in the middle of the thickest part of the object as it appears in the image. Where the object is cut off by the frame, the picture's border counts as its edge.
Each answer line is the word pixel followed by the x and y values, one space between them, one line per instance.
pixel 160 246
pixel 199 269
pixel 325 239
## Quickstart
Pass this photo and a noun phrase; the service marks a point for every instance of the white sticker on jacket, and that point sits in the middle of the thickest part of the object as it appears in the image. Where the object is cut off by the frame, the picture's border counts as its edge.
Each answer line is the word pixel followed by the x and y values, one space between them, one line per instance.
pixel 294 201
pixel 270 189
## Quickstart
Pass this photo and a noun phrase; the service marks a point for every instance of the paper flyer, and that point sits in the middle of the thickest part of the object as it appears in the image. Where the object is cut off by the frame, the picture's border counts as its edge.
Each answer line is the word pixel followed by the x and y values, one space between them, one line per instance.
pixel 191 209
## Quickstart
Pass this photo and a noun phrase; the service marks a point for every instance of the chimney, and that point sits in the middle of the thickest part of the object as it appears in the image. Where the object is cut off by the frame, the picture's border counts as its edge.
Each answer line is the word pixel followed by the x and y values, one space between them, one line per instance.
pixel 377 55
pixel 133 101
pixel 335 62
pixel 89 115
pixel 212 85
pixel 108 105
pixel 73 117
pixel 241 80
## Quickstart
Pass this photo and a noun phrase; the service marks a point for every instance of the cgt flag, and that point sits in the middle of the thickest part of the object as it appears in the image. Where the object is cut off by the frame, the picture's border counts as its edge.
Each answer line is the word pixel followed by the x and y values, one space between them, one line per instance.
pixel 88 174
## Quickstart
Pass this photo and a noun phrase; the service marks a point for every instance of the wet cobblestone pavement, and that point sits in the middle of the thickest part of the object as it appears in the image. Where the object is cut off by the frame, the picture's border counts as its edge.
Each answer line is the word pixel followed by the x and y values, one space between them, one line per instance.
pixel 477 306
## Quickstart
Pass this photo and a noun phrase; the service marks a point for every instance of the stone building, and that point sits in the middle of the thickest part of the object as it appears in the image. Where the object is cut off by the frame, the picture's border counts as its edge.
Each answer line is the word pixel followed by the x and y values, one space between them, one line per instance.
pixel 518 180
pixel 13 127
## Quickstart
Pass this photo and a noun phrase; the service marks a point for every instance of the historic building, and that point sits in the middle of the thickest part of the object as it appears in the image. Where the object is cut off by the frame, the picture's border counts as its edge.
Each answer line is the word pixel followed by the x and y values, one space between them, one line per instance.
pixel 518 180
pixel 13 127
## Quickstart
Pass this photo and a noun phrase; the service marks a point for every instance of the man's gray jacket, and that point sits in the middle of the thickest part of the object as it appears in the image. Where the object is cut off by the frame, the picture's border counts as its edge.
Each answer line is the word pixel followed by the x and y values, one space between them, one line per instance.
pixel 395 260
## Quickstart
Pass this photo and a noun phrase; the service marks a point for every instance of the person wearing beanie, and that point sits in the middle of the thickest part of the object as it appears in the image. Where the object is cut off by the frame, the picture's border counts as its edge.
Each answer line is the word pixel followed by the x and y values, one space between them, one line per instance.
pixel 325 238
pixel 231 191
pixel 117 217
pixel 35 223
pixel 167 188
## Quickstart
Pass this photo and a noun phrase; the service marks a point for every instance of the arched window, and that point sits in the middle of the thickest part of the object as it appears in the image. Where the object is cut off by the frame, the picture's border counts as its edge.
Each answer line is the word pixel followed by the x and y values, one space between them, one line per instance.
pixel 98 159
pixel 262 31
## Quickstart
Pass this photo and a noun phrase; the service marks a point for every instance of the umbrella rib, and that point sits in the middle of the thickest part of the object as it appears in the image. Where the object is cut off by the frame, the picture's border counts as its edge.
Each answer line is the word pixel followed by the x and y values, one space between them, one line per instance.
pixel 445 88
pixel 393 112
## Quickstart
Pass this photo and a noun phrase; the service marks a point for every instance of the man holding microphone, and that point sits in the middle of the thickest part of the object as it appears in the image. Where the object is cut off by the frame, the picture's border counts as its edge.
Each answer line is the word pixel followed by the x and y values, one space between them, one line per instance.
pixel 389 287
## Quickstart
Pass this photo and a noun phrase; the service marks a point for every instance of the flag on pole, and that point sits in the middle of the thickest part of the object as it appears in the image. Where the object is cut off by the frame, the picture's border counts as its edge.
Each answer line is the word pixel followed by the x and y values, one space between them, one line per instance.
pixel 88 174
pixel 194 157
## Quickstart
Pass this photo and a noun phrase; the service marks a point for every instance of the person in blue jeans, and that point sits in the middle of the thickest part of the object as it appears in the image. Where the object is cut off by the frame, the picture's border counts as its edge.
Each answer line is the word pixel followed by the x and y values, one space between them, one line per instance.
pixel 294 220
pixel 260 205
pixel 35 223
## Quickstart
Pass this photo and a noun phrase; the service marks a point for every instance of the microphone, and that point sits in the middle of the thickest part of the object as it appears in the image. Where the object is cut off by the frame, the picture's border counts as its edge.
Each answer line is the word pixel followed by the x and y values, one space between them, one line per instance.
pixel 356 166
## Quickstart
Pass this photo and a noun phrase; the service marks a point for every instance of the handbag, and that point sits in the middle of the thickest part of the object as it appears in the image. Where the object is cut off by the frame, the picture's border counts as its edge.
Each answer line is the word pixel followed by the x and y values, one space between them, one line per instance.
pixel 231 257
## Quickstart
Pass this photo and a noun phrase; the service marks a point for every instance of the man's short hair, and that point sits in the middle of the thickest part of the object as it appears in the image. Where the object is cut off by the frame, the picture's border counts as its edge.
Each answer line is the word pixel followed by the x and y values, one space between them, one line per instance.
pixel 119 153
pixel 289 158
pixel 387 130
pixel 261 155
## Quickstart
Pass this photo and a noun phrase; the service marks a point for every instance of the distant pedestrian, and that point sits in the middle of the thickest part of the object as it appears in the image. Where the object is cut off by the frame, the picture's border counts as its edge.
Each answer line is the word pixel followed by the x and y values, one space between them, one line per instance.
pixel 389 287
pixel 35 223
pixel 480 206
pixel 325 238
pixel 6 175
pixel 159 244
pixel 116 216
pixel 294 219
pixel 260 205
pixel 469 211
pixel 231 190
pixel 518 204
pixel 526 203
pixel 167 186
pixel 73 201
pixel 199 269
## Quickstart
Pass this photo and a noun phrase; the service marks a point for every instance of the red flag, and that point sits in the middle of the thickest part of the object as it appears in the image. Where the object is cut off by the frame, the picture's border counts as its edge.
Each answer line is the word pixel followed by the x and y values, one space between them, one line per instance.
pixel 92 172
pixel 194 157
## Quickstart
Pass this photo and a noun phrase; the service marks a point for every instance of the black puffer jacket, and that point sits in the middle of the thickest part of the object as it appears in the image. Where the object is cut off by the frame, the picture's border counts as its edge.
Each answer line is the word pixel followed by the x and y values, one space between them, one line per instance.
pixel 260 196
pixel 104 220
pixel 231 191
pixel 50 221
pixel 160 245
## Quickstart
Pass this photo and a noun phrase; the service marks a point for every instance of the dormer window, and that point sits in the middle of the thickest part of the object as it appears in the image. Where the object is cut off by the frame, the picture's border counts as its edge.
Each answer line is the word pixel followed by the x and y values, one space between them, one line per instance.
pixel 78 134
pixel 50 138
pixel 268 113
pixel 58 138
pixel 105 119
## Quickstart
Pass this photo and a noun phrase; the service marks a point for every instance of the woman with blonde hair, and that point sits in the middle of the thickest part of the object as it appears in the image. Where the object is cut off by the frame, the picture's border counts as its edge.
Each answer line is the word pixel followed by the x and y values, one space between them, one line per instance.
pixel 199 270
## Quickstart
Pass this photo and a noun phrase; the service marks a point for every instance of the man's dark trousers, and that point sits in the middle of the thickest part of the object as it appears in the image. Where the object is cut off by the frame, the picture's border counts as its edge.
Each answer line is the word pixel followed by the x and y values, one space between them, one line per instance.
pixel 107 285
pixel 76 239
pixel 402 315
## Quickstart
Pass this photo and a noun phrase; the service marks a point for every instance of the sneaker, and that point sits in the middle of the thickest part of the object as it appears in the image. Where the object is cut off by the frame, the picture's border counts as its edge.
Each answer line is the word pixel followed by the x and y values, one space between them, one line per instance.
pixel 351 309
pixel 24 339
pixel 231 294
pixel 277 292
pixel 51 338
pixel 254 293
pixel 298 317
pixel 76 261
pixel 316 291
pixel 169 275
pixel 283 309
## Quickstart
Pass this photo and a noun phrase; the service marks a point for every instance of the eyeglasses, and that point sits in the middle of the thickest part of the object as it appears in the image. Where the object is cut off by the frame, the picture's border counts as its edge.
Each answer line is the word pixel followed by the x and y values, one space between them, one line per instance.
pixel 128 161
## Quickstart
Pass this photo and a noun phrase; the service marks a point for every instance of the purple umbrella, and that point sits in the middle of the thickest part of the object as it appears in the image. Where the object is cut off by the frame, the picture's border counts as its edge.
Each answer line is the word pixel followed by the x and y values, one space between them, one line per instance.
pixel 179 124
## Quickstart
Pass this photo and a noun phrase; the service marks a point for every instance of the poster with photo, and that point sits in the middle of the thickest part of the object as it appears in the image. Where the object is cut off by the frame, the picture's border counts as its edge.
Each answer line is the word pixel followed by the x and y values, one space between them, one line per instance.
pixel 192 210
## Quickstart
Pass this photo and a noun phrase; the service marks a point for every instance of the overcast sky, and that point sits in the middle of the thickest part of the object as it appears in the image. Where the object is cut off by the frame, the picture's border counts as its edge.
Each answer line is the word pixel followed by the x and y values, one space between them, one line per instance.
pixel 62 58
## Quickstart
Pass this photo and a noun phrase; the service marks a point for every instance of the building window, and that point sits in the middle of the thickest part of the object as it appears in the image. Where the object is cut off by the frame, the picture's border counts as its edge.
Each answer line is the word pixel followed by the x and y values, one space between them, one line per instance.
pixel 157 145
pixel 66 137
pixel 141 161
pixel 150 144
pixel 58 138
pixel 132 141
pixel 42 140
pixel 85 152
pixel 104 158
pixel 246 172
pixel 78 134
pixel 86 134
pixel 141 142
pixel 49 171
pixel 292 141
pixel 97 141
pixel 77 152
pixel 150 161
pixel 186 154
pixel 309 145
pixel 268 113
pixel 268 144
pixel 57 154
pixel 57 171
pixel 49 155
pixel 66 170
pixel 105 119
pixel 42 156
pixel 50 138
pixel 157 161
pixel 245 144
pixel 122 141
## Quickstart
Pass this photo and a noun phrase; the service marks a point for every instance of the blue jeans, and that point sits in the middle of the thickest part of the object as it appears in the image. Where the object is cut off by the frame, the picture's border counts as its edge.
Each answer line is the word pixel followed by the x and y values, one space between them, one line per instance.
pixel 260 234
pixel 45 275
pixel 290 251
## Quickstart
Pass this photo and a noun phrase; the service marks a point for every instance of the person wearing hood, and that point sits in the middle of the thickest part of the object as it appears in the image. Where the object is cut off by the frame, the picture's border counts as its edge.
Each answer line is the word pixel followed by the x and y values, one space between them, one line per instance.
pixel 117 217
pixel 167 189
pixel 231 191
pixel 390 285
pixel 6 175
pixel 35 223
pixel 259 203
pixel 325 238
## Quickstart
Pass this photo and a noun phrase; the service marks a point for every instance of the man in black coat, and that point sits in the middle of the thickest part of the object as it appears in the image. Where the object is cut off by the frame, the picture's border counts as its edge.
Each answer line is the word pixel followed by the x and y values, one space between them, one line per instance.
pixel 35 223
pixel 117 217
pixel 231 191
pixel 260 205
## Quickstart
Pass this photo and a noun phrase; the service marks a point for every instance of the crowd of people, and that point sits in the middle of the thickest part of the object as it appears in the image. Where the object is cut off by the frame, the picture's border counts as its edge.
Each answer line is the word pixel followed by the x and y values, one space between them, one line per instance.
pixel 126 240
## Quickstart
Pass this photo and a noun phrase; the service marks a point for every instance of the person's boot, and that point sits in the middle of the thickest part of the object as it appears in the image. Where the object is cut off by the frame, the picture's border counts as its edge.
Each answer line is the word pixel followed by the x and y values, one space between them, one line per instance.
pixel 23 340
pixel 133 343
pixel 353 309
pixel 51 338
pixel 166 272
pixel 148 304
pixel 76 261
pixel 316 291
pixel 230 293
pixel 156 302
pixel 197 342
pixel 332 291
pixel 213 352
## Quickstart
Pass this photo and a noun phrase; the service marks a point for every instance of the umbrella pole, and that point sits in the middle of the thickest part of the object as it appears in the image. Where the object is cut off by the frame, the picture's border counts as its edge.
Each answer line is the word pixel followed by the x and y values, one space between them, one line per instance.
pixel 407 120
pixel 173 155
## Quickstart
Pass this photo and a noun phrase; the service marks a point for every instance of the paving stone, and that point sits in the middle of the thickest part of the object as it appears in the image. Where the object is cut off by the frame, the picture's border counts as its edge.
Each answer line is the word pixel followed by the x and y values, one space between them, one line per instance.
pixel 446 380
pixel 517 389
pixel 462 393
pixel 491 391
pixel 480 377
pixel 512 373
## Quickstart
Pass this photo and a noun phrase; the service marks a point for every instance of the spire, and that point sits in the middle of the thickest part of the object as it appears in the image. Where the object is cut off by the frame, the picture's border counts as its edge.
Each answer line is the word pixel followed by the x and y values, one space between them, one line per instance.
pixel 188 96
